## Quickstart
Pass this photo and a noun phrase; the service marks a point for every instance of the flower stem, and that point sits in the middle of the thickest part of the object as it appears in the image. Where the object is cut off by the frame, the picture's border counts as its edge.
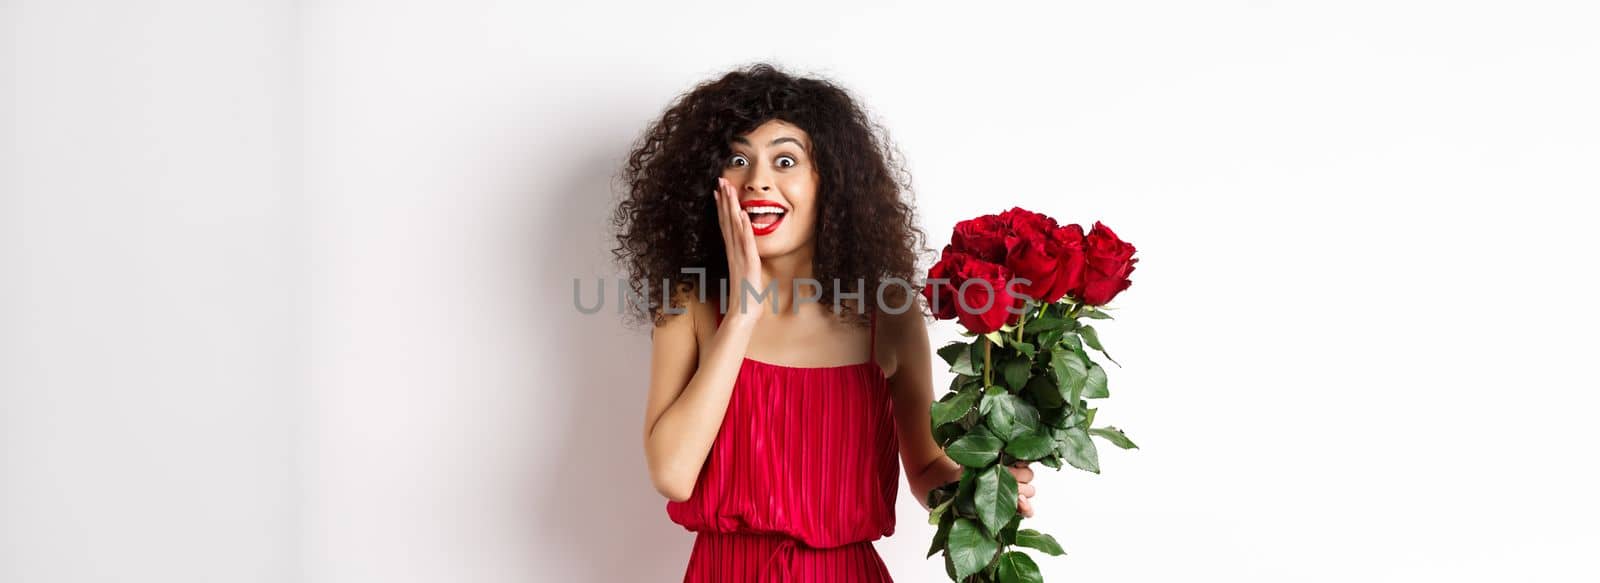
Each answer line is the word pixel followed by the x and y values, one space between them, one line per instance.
pixel 986 378
pixel 1020 324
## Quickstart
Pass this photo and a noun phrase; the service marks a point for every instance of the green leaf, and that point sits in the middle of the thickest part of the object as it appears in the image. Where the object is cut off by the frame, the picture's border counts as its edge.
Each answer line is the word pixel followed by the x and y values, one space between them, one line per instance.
pixel 959 355
pixel 1090 337
pixel 974 450
pixel 1034 539
pixel 1080 417
pixel 1015 371
pixel 1079 450
pixel 940 495
pixel 970 549
pixel 1027 349
pixel 1044 324
pixel 948 433
pixel 937 512
pixel 995 497
pixel 1031 446
pixel 942 412
pixel 1017 567
pixel 1093 340
pixel 941 536
pixel 975 354
pixel 1010 417
pixel 1094 387
pixel 963 382
pixel 989 396
pixel 1008 533
pixel 964 506
pixel 1071 341
pixel 1051 338
pixel 1113 435
pixel 996 337
pixel 951 352
pixel 1053 462
pixel 1070 374
pixel 1044 391
pixel 1091 312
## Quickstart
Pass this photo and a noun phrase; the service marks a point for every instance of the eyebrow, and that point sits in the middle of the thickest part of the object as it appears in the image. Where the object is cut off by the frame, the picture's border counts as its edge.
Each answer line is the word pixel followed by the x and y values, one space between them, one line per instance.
pixel 775 142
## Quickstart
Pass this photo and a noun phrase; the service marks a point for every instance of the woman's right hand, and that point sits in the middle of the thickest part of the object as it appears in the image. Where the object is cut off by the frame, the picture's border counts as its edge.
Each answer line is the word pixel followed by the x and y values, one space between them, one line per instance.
pixel 744 264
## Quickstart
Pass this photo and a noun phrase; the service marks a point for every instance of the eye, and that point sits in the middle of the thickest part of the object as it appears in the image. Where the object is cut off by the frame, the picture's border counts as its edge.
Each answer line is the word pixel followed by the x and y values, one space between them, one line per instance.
pixel 791 160
pixel 737 157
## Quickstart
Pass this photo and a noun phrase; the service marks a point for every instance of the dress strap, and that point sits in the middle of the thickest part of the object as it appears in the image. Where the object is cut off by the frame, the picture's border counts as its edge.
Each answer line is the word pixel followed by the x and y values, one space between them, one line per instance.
pixel 872 337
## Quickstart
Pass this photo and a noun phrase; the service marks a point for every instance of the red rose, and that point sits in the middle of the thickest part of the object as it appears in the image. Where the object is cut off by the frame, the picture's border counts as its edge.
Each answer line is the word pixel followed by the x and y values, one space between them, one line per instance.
pixel 981 287
pixel 983 237
pixel 975 294
pixel 1070 255
pixel 1033 255
pixel 1019 221
pixel 1108 261
pixel 941 295
pixel 1053 261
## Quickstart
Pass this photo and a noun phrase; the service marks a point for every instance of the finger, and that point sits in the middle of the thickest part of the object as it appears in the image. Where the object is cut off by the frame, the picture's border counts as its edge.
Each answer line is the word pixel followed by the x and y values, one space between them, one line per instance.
pixel 749 236
pixel 752 258
pixel 735 242
pixel 736 223
pixel 1025 506
pixel 1023 475
pixel 730 212
pixel 730 242
pixel 722 209
pixel 741 223
pixel 1026 490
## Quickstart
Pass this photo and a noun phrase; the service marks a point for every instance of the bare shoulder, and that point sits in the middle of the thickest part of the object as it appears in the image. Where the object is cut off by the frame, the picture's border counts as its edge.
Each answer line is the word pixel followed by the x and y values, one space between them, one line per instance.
pixel 682 313
pixel 904 333
pixel 907 320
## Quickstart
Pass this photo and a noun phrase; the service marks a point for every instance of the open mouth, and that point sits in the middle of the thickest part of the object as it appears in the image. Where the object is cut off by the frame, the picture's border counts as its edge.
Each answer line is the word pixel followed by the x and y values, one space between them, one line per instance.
pixel 765 215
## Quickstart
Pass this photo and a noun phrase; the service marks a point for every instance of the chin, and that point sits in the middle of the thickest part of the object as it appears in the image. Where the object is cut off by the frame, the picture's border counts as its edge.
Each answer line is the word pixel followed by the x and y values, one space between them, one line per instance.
pixel 775 248
pixel 771 249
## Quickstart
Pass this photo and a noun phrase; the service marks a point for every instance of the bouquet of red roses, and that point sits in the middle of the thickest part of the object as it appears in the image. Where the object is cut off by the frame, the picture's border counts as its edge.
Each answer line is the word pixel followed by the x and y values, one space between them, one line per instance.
pixel 1020 284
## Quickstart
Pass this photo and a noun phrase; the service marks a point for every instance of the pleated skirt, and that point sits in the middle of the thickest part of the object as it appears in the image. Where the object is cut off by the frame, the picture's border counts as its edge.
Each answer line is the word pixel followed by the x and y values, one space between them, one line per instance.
pixel 778 558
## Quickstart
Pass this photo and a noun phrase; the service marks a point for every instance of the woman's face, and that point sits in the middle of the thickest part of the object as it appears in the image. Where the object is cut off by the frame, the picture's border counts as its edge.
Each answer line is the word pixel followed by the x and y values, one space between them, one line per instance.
pixel 772 169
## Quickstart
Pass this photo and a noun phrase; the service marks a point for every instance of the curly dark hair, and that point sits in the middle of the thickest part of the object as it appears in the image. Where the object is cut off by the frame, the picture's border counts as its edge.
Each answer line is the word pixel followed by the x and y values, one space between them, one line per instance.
pixel 667 219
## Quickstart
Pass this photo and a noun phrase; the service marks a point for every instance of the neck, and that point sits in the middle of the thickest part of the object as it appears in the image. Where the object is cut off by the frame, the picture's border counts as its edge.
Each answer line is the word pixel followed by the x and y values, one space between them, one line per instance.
pixel 784 270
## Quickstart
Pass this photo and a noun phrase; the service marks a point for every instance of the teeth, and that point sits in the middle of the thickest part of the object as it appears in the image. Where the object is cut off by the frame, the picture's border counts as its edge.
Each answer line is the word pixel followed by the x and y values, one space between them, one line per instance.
pixel 759 210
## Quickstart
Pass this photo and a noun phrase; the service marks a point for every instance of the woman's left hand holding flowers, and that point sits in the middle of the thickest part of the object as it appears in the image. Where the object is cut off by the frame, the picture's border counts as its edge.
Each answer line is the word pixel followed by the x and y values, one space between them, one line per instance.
pixel 1025 490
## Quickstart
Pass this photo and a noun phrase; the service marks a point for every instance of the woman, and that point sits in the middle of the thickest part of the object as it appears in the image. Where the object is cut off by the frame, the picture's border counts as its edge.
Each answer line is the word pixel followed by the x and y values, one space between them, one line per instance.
pixel 775 416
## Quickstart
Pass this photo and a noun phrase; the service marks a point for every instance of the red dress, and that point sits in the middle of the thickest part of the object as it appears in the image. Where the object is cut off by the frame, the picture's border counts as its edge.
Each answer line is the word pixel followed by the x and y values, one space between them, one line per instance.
pixel 800 480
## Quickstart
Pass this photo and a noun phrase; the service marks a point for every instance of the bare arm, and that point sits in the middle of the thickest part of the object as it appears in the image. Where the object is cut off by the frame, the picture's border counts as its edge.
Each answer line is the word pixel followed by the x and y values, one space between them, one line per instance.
pixel 687 402
pixel 926 465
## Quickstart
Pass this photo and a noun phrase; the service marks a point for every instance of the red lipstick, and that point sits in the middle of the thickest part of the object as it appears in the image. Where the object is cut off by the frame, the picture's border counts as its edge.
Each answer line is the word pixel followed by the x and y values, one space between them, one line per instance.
pixel 772 209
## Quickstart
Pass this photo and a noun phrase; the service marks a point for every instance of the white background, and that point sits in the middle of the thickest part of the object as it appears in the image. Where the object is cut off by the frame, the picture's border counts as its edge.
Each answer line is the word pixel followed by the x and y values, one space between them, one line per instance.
pixel 287 287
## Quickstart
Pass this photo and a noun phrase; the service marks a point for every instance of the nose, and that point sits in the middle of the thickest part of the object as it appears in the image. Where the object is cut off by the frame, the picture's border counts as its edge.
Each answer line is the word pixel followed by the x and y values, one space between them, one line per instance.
pixel 760 181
